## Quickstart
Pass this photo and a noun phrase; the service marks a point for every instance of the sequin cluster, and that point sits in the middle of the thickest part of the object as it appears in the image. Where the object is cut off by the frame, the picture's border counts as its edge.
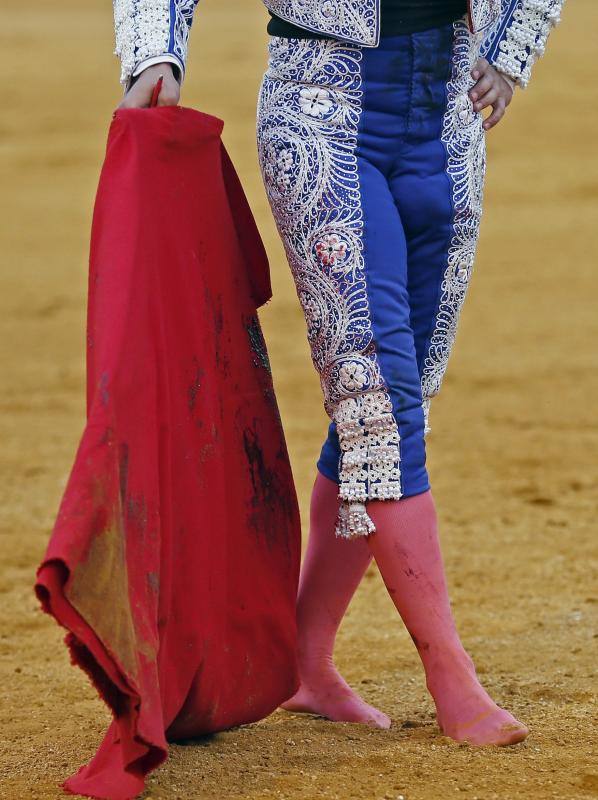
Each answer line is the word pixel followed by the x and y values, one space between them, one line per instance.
pixel 524 38
pixel 143 30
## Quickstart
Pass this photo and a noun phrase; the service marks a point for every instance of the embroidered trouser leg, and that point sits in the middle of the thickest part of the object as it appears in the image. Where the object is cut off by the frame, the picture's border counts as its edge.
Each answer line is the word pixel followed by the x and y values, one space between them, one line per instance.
pixel 373 161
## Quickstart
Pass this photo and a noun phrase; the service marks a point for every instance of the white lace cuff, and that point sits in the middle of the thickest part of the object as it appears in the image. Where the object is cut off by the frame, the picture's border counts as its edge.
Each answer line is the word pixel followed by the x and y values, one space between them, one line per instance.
pixel 164 58
pixel 512 83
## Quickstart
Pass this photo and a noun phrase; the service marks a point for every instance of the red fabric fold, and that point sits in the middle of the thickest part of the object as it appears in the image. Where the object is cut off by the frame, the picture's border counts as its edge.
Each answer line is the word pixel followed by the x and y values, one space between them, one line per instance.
pixel 174 559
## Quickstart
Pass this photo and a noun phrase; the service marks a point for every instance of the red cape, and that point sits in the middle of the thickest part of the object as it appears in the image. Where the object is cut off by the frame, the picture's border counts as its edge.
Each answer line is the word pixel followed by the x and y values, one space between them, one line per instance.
pixel 174 559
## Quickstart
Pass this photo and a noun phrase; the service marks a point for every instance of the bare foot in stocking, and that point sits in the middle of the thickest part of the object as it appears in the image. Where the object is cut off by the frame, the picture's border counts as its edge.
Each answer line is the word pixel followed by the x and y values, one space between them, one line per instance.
pixel 330 574
pixel 407 552
pixel 324 692
pixel 464 710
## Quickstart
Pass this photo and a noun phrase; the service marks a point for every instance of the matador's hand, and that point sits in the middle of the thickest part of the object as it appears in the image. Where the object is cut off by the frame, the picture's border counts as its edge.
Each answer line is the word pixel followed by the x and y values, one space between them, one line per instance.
pixel 140 93
pixel 491 89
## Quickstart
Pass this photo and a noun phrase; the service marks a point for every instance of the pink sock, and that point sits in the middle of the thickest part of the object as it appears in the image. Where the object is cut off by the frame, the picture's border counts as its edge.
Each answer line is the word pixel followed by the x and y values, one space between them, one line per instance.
pixel 331 571
pixel 407 552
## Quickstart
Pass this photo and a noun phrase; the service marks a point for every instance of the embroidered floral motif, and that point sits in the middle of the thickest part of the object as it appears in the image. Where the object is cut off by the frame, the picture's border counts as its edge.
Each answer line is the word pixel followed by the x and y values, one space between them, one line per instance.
pixel 352 376
pixel 331 249
pixel 329 8
pixel 355 21
pixel 463 138
pixel 314 102
pixel 319 217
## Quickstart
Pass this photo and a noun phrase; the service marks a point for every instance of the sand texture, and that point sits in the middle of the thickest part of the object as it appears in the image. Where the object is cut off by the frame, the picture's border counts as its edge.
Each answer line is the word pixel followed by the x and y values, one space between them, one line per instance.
pixel 512 453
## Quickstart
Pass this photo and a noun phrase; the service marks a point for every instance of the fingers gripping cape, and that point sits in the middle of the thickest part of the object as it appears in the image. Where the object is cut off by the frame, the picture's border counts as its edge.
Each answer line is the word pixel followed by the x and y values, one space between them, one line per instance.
pixel 174 558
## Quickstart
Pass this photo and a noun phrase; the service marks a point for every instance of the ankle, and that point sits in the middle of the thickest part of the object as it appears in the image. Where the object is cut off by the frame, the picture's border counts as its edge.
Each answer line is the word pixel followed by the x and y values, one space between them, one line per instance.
pixel 314 661
pixel 447 665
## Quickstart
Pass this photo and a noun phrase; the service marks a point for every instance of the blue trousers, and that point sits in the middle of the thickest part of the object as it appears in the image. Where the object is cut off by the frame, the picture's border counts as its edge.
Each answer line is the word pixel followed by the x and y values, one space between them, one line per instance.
pixel 373 161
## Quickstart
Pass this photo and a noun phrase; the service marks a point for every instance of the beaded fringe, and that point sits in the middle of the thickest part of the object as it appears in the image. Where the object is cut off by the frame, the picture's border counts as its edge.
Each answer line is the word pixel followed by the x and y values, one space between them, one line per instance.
pixel 370 455
pixel 353 521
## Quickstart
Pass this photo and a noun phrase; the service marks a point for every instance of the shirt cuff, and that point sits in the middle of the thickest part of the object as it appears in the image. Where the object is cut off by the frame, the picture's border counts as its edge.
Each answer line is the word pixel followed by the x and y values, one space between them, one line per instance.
pixel 161 59
pixel 511 81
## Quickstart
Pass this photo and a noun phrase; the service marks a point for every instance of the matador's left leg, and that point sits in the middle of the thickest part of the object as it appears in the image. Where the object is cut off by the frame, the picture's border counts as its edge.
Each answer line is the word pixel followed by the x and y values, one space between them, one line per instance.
pixel 438 192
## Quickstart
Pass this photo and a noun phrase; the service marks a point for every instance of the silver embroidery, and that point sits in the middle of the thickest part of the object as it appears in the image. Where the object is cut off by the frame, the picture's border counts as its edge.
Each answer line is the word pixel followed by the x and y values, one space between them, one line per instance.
pixel 426 408
pixel 358 21
pixel 369 439
pixel 142 30
pixel 308 116
pixel 524 39
pixel 143 27
pixel 484 13
pixel 184 10
pixel 355 21
pixel 463 138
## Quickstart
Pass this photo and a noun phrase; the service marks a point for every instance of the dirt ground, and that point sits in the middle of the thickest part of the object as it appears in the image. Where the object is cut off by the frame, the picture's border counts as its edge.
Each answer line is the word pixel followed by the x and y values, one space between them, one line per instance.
pixel 512 452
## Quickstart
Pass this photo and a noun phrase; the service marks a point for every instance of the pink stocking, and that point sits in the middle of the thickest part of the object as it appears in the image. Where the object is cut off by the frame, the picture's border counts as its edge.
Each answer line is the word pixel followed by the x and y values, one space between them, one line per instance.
pixel 331 572
pixel 407 552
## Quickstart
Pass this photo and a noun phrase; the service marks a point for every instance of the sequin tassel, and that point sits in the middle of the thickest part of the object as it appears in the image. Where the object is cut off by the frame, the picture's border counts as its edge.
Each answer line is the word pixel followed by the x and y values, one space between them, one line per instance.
pixel 353 521
pixel 369 466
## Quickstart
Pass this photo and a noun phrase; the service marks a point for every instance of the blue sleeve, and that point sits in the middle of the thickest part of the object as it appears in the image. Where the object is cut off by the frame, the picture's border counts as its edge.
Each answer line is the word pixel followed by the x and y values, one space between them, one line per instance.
pixel 145 29
pixel 519 36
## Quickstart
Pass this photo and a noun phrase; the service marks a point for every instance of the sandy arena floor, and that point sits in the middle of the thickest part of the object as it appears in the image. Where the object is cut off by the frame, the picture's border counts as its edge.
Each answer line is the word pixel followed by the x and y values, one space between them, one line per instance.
pixel 512 453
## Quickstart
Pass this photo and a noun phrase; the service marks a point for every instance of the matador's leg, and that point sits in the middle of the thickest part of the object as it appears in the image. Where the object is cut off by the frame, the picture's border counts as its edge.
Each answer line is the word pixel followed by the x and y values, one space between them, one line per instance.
pixel 317 174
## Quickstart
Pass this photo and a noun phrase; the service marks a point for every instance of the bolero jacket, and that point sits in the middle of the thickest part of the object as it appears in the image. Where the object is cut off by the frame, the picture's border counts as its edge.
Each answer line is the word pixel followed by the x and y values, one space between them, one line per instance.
pixel 512 33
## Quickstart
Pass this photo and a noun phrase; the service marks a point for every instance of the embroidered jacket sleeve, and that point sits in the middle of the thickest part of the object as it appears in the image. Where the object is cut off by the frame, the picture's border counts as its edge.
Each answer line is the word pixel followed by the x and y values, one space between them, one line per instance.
pixel 519 36
pixel 151 31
